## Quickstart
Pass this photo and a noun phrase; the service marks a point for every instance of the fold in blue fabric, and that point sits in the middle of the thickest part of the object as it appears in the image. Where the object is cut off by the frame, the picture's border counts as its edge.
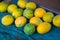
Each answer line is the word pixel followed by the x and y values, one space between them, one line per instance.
pixel 13 33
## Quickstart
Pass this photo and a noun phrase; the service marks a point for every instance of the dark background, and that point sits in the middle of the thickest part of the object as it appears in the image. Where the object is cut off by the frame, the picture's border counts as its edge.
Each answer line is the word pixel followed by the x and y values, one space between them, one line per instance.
pixel 51 4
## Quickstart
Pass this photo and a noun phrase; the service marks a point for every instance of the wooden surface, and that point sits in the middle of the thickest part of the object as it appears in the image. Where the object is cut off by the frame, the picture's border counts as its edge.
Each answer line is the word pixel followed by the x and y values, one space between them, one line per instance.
pixel 51 4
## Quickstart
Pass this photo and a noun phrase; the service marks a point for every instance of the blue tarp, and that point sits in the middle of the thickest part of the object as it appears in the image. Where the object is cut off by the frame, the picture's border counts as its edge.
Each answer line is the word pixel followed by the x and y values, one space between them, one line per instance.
pixel 13 33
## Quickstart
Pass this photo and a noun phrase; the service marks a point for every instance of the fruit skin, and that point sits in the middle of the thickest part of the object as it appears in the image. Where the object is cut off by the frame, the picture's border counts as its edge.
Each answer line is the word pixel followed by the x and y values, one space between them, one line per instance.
pixel 28 13
pixel 17 13
pixel 11 8
pixel 29 29
pixel 20 21
pixel 39 12
pixel 43 28
pixel 35 20
pixel 22 0
pixel 31 5
pixel 48 17
pixel 3 6
pixel 7 20
pixel 56 21
pixel 22 4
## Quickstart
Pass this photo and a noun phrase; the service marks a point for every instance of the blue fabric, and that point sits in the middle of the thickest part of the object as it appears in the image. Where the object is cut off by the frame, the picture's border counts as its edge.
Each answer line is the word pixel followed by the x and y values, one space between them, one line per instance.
pixel 13 33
